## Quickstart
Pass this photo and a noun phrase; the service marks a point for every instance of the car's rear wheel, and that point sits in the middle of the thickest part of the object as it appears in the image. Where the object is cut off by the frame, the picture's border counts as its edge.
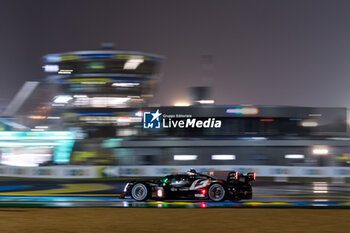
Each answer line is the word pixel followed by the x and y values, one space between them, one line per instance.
pixel 139 192
pixel 216 192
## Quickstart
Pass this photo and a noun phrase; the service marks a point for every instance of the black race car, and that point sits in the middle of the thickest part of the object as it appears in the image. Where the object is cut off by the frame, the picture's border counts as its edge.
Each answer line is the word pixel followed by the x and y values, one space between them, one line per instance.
pixel 192 185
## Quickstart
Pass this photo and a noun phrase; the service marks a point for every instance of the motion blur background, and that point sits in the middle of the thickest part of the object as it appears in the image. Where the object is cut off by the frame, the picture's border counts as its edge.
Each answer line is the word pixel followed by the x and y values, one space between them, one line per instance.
pixel 270 52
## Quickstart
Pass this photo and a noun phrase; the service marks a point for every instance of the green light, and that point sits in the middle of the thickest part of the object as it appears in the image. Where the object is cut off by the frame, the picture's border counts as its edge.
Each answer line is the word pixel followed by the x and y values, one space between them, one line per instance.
pixel 164 180
pixel 111 143
pixel 96 65
pixel 62 141
pixel 63 151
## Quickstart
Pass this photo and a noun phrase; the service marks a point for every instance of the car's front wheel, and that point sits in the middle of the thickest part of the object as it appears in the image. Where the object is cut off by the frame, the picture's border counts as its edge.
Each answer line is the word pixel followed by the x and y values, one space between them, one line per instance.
pixel 139 192
pixel 216 192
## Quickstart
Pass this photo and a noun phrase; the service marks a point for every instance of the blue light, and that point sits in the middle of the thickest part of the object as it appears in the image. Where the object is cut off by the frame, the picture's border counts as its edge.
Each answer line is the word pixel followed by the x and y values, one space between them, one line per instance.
pixel 96 56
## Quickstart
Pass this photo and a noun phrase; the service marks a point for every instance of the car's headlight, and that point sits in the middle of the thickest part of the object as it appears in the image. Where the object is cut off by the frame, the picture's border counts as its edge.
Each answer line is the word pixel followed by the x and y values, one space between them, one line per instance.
pixel 126 187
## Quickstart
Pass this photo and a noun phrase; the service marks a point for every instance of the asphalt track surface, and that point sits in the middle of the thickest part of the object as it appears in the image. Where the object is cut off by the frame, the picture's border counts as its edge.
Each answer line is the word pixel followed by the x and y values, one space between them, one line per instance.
pixel 104 193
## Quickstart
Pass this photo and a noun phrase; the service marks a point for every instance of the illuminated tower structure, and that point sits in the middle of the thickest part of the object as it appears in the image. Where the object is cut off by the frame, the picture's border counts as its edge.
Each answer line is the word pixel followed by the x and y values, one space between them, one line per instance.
pixel 101 92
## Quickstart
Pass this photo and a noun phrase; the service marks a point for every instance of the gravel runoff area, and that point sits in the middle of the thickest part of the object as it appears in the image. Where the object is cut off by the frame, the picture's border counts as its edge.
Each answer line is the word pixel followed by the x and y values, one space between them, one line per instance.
pixel 104 220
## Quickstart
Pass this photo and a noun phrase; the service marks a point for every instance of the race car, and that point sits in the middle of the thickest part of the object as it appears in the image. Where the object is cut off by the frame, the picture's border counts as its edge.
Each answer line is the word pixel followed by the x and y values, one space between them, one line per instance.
pixel 192 185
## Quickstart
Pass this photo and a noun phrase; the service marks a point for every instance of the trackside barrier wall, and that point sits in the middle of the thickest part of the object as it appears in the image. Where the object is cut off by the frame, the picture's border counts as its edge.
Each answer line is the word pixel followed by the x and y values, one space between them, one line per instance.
pixel 83 172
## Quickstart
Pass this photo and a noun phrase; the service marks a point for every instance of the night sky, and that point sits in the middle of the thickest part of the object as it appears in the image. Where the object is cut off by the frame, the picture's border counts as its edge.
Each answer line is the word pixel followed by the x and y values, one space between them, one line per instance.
pixel 264 52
